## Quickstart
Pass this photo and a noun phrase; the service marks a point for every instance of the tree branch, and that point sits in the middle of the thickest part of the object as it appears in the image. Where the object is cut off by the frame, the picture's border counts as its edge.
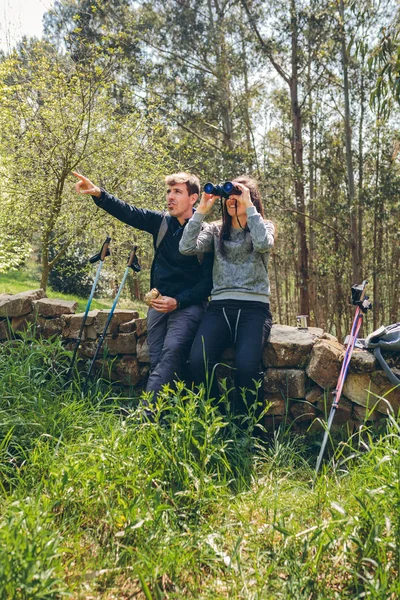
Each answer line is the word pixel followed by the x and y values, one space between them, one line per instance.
pixel 264 45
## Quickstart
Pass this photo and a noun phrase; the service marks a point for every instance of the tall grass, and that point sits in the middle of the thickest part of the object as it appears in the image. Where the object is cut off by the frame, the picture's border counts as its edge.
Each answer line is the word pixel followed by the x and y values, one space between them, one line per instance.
pixel 97 501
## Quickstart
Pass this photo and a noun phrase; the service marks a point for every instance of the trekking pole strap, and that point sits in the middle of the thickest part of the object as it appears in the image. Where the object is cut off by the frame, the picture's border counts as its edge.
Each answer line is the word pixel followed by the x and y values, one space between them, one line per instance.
pixel 133 262
pixel 358 297
pixel 105 251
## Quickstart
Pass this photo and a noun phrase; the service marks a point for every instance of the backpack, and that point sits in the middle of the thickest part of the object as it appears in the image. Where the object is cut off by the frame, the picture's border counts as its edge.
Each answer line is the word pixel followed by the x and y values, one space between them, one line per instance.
pixel 161 234
pixel 384 338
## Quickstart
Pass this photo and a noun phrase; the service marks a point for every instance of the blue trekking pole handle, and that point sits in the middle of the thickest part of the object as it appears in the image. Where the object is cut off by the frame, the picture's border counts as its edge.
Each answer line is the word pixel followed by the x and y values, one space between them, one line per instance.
pixel 131 264
pixel 101 257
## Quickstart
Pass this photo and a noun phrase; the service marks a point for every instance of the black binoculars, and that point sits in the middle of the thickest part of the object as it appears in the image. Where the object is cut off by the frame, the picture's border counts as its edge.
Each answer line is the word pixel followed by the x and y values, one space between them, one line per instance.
pixel 224 190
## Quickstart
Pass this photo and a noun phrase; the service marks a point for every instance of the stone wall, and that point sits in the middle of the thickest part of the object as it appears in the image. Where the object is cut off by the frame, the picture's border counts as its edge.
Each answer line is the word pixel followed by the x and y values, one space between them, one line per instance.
pixel 301 367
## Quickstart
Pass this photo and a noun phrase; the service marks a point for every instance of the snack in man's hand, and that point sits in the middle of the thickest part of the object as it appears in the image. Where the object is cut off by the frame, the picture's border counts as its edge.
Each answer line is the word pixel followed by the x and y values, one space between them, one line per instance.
pixel 151 295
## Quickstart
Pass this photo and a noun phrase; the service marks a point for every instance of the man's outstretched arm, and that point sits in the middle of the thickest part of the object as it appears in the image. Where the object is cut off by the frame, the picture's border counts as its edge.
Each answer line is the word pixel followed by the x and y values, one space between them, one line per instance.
pixel 146 220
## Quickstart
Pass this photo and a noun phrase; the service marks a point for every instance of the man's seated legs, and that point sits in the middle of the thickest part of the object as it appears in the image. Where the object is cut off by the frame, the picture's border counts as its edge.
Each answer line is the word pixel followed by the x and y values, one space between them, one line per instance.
pixel 169 337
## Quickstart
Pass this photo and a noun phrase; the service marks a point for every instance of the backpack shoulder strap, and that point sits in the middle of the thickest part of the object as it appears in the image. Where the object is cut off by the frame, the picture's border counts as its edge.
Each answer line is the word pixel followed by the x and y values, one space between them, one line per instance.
pixel 162 231
pixel 161 234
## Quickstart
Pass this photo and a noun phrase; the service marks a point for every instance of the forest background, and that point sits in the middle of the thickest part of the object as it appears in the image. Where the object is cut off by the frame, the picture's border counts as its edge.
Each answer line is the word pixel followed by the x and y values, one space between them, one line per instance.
pixel 303 95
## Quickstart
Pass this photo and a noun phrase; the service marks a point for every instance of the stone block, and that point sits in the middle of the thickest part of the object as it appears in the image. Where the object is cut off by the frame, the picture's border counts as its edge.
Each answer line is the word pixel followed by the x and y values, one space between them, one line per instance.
pixel 278 405
pixel 123 343
pixel 72 325
pixel 119 316
pixel 325 363
pixel 372 390
pixel 91 316
pixel 363 414
pixel 127 370
pixel 144 371
pixel 329 336
pixel 21 323
pixel 4 330
pixel 128 327
pixel 19 304
pixel 288 382
pixel 15 325
pixel 272 422
pixel 362 361
pixel 142 350
pixel 53 307
pixel 88 348
pixel 90 332
pixel 49 327
pixel 303 411
pixel 289 346
pixel 343 412
pixel 314 394
pixel 141 327
pixel 319 426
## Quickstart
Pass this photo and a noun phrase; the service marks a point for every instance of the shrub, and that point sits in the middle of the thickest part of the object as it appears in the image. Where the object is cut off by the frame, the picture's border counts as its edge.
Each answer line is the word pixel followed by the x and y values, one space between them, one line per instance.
pixel 73 274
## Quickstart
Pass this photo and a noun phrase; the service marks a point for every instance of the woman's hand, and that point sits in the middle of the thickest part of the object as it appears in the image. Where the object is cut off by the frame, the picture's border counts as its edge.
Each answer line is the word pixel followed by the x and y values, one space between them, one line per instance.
pixel 244 198
pixel 206 203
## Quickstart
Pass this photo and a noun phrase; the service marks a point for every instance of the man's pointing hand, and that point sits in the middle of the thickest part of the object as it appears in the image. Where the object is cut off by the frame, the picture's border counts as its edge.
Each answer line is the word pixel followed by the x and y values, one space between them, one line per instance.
pixel 85 186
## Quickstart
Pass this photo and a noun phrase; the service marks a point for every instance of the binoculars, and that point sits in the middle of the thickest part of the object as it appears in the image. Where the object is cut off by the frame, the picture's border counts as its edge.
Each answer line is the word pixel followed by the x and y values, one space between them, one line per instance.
pixel 224 190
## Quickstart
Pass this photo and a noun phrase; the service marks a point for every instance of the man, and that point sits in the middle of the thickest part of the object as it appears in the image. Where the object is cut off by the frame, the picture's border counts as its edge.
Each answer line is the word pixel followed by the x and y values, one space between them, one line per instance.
pixel 184 282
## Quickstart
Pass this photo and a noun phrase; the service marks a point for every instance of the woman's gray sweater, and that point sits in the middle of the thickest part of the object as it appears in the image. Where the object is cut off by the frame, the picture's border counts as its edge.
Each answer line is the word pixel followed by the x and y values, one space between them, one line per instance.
pixel 241 273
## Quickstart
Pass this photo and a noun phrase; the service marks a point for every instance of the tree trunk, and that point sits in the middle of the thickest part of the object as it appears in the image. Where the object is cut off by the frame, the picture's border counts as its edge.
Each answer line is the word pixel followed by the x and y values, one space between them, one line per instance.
pixel 299 169
pixel 361 170
pixel 355 259
pixel 223 75
pixel 311 171
pixel 45 272
pixel 378 240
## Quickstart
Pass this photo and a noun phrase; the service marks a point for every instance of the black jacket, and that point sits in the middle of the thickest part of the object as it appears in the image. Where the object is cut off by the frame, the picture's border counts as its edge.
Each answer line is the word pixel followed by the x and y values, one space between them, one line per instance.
pixel 174 275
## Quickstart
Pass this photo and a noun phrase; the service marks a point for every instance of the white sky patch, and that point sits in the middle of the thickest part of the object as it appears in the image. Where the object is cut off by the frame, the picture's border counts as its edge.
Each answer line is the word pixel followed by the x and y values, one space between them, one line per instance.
pixel 19 18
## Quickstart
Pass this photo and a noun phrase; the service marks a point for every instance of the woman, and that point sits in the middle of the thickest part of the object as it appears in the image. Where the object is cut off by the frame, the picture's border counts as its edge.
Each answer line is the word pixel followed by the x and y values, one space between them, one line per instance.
pixel 239 309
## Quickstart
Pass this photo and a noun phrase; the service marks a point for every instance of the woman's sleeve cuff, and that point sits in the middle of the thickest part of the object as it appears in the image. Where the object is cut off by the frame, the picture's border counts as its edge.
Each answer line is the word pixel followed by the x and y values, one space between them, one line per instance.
pixel 251 210
pixel 198 217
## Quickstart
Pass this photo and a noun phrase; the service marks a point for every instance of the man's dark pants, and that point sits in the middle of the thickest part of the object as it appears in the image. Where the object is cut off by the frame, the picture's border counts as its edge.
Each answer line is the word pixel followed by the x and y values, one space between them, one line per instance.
pixel 170 337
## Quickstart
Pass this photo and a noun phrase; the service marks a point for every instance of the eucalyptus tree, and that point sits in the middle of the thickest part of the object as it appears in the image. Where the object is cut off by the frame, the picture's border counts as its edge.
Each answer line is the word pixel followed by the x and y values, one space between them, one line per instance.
pixel 283 34
pixel 384 64
pixel 207 76
pixel 89 29
pixel 194 61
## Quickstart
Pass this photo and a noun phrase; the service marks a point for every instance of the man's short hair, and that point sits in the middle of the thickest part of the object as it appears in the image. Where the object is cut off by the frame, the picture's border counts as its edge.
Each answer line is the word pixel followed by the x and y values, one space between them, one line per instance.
pixel 192 181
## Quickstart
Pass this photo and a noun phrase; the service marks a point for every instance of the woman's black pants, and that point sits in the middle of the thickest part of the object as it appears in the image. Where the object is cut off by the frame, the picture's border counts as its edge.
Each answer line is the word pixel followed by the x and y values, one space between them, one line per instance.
pixel 246 326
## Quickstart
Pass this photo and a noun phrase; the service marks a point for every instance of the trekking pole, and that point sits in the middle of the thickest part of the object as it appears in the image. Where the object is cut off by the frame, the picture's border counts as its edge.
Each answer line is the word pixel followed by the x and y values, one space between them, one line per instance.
pixel 133 264
pixel 100 256
pixel 359 299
